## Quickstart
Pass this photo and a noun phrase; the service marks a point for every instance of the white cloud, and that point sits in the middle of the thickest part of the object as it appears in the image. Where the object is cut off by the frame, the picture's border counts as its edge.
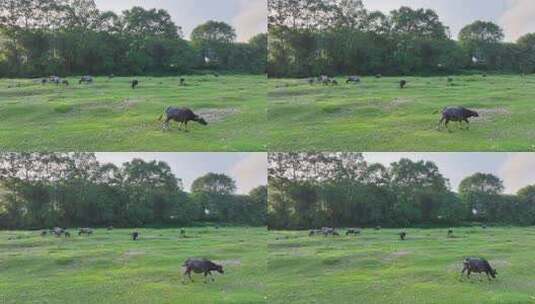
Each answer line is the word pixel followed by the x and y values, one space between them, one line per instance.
pixel 250 172
pixel 251 19
pixel 518 171
pixel 518 19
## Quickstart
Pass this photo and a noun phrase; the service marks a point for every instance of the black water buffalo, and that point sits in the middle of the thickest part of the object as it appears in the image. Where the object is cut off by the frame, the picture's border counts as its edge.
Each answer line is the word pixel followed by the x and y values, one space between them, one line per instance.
pixel 478 265
pixel 135 83
pixel 353 231
pixel 314 232
pixel 458 114
pixel 87 231
pixel 450 233
pixel 201 266
pixel 182 81
pixel 353 79
pixel 402 235
pixel 329 231
pixel 86 79
pixel 135 235
pixel 402 84
pixel 182 116
pixel 183 233
pixel 67 234
pixel 43 233
pixel 58 231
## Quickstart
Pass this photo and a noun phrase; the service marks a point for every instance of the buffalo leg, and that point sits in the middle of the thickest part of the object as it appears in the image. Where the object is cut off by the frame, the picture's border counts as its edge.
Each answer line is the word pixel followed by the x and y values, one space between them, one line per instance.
pixel 468 273
pixel 467 124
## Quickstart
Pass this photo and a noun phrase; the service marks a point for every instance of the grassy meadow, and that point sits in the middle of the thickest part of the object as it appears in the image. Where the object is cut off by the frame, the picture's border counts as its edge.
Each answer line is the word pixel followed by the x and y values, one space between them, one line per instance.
pixel 109 116
pixel 377 115
pixel 378 268
pixel 109 267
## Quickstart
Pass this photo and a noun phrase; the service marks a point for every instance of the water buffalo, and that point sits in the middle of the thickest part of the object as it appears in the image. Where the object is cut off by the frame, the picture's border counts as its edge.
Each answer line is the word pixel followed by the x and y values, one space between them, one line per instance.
pixel 353 79
pixel 135 83
pixel 329 231
pixel 43 233
pixel 458 114
pixel 67 234
pixel 314 232
pixel 450 233
pixel 182 81
pixel 201 266
pixel 87 231
pixel 182 116
pixel 402 84
pixel 402 235
pixel 478 265
pixel 86 79
pixel 378 76
pixel 353 231
pixel 135 235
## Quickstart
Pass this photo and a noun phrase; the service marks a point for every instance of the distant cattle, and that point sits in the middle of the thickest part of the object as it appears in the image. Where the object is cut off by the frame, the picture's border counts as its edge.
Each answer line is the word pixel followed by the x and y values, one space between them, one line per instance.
pixel 182 81
pixel 478 265
pixel 353 79
pixel 182 116
pixel 314 232
pixel 65 82
pixel 402 235
pixel 87 231
pixel 201 266
pixel 353 231
pixel 135 235
pixel 183 233
pixel 43 233
pixel 329 231
pixel 450 233
pixel 458 114
pixel 378 76
pixel 377 227
pixel 135 83
pixel 67 234
pixel 86 79
pixel 402 83
pixel 110 228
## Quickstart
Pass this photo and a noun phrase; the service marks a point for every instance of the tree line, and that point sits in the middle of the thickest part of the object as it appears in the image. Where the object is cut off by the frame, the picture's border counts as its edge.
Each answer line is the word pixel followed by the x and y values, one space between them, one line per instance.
pixel 73 37
pixel 73 189
pixel 310 190
pixel 313 37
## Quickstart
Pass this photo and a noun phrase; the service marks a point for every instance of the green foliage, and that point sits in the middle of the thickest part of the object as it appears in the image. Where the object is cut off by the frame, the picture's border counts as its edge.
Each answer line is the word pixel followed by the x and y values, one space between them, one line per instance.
pixel 73 37
pixel 73 189
pixel 309 190
pixel 310 38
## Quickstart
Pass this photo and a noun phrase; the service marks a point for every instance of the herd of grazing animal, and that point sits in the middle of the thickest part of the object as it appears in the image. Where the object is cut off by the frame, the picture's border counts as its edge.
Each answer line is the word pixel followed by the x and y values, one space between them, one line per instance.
pixel 470 265
pixel 195 265
pixel 181 115
pixel 456 113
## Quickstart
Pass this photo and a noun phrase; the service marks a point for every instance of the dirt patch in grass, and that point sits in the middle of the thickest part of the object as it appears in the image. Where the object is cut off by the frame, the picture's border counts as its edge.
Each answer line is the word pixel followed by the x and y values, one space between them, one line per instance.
pixel 212 115
pixel 489 114
pixel 397 255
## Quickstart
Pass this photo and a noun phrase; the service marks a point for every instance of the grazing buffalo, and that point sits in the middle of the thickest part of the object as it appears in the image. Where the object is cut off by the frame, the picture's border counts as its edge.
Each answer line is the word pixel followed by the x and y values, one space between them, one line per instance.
pixel 458 114
pixel 135 235
pixel 182 116
pixel 183 233
pixel 58 231
pixel 378 76
pixel 67 234
pixel 450 233
pixel 86 79
pixel 201 266
pixel 478 265
pixel 314 232
pixel 135 83
pixel 182 81
pixel 329 231
pixel 44 81
pixel 353 231
pixel 353 79
pixel 402 84
pixel 43 233
pixel 378 227
pixel 402 235
pixel 87 231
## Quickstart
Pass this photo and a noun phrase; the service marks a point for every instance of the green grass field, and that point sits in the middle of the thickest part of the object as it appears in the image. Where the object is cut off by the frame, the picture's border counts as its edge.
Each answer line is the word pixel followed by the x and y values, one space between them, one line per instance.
pixel 378 116
pixel 108 267
pixel 110 116
pixel 377 267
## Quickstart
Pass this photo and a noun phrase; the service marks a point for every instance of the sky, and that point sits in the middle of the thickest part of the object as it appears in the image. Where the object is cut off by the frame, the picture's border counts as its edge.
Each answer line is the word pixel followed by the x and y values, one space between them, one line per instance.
pixel 517 170
pixel 248 17
pixel 249 170
pixel 516 17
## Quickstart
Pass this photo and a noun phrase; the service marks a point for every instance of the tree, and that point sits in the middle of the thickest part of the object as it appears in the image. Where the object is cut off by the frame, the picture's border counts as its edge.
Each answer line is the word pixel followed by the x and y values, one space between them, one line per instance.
pixel 481 39
pixel 481 193
pixel 421 23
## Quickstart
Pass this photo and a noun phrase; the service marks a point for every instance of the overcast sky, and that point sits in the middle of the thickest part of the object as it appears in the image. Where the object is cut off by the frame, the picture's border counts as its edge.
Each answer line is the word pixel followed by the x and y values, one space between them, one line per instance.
pixel 248 169
pixel 249 17
pixel 517 170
